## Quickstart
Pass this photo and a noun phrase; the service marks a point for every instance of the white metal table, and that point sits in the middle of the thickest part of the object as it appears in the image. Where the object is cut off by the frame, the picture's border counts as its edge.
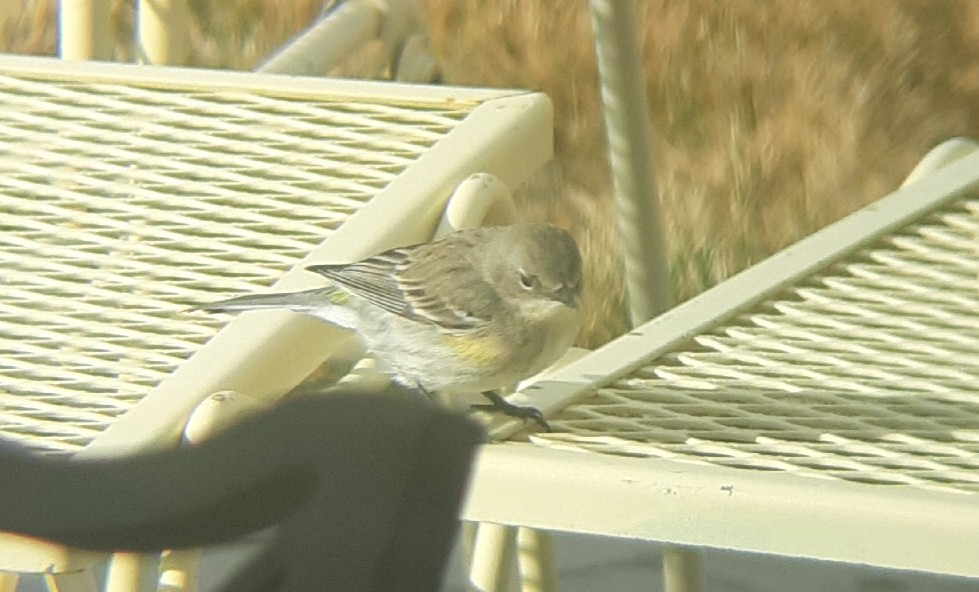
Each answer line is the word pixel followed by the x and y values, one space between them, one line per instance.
pixel 823 403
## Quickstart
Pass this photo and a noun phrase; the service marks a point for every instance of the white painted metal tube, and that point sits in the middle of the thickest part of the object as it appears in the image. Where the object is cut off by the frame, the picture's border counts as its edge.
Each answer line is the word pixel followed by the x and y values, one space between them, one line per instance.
pixel 481 198
pixel 161 32
pixel 83 30
pixel 945 153
pixel 630 151
pixel 727 508
pixel 179 570
pixel 320 48
pixel 126 572
pixel 538 568
pixel 681 569
pixel 8 581
pixel 494 553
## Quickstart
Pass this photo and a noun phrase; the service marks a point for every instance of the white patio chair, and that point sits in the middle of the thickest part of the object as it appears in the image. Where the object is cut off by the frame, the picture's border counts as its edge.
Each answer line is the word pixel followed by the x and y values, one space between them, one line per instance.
pixel 821 404
pixel 128 194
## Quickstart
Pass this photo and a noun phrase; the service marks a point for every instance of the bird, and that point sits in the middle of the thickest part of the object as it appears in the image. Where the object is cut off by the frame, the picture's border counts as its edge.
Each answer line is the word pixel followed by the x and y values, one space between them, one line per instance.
pixel 476 311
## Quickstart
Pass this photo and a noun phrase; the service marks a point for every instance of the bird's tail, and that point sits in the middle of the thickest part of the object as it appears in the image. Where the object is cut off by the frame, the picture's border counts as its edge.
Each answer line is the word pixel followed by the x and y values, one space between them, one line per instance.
pixel 322 303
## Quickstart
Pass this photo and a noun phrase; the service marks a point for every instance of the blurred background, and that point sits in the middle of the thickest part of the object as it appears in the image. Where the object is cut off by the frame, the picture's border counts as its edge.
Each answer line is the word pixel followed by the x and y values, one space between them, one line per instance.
pixel 772 118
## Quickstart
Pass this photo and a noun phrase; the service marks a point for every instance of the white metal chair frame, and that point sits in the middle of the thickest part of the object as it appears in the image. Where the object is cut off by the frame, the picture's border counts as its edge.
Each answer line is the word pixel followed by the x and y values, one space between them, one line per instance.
pixel 902 500
pixel 494 140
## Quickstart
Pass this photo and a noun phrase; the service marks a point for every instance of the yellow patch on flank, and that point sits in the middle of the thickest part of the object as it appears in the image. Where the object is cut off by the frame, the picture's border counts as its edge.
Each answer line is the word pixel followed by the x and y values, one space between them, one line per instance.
pixel 339 298
pixel 483 350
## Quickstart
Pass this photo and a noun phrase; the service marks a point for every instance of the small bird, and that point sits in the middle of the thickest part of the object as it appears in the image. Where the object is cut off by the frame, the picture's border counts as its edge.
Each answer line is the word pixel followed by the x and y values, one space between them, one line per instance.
pixel 475 312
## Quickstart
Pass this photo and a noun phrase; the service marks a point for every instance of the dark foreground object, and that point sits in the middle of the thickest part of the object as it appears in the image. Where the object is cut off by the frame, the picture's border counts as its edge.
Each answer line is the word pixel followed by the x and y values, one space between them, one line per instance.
pixel 364 491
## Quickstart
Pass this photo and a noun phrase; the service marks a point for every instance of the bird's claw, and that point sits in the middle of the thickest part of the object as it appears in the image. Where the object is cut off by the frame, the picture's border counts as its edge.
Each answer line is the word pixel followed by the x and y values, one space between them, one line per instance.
pixel 498 403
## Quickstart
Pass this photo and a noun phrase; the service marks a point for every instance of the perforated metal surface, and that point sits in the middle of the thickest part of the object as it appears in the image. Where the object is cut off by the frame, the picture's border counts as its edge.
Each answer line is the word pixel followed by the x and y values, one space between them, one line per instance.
pixel 124 202
pixel 866 371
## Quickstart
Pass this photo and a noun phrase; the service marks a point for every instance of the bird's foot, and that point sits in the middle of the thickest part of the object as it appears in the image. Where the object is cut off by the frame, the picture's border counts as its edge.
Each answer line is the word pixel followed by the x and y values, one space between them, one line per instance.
pixel 498 403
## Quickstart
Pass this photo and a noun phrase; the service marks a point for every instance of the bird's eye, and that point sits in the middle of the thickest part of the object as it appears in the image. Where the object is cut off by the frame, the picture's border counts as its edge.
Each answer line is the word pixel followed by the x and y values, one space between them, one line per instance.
pixel 527 281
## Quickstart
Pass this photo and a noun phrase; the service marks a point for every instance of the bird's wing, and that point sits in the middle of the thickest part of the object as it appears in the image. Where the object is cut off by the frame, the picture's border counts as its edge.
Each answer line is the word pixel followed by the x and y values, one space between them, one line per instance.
pixel 444 291
pixel 373 279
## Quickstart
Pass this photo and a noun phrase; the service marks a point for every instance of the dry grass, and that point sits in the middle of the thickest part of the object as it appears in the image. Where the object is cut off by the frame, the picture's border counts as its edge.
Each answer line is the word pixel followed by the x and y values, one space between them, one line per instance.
pixel 772 118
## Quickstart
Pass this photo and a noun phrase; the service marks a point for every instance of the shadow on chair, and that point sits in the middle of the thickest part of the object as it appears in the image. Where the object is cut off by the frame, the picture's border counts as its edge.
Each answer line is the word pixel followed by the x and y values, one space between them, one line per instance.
pixel 364 492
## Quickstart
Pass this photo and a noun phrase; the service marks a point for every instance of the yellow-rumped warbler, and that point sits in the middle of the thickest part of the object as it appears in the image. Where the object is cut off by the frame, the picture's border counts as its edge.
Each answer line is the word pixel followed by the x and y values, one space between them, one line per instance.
pixel 474 312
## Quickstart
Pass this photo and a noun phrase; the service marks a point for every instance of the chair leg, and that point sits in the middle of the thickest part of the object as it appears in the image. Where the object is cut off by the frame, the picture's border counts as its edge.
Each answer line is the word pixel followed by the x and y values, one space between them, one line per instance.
pixel 178 570
pixel 467 541
pixel 130 572
pixel 681 569
pixel 538 572
pixel 77 581
pixel 493 558
pixel 8 581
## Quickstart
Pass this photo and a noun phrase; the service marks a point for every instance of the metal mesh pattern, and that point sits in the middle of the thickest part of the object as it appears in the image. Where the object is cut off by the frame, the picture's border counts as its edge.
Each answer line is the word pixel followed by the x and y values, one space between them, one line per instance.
pixel 867 371
pixel 123 204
